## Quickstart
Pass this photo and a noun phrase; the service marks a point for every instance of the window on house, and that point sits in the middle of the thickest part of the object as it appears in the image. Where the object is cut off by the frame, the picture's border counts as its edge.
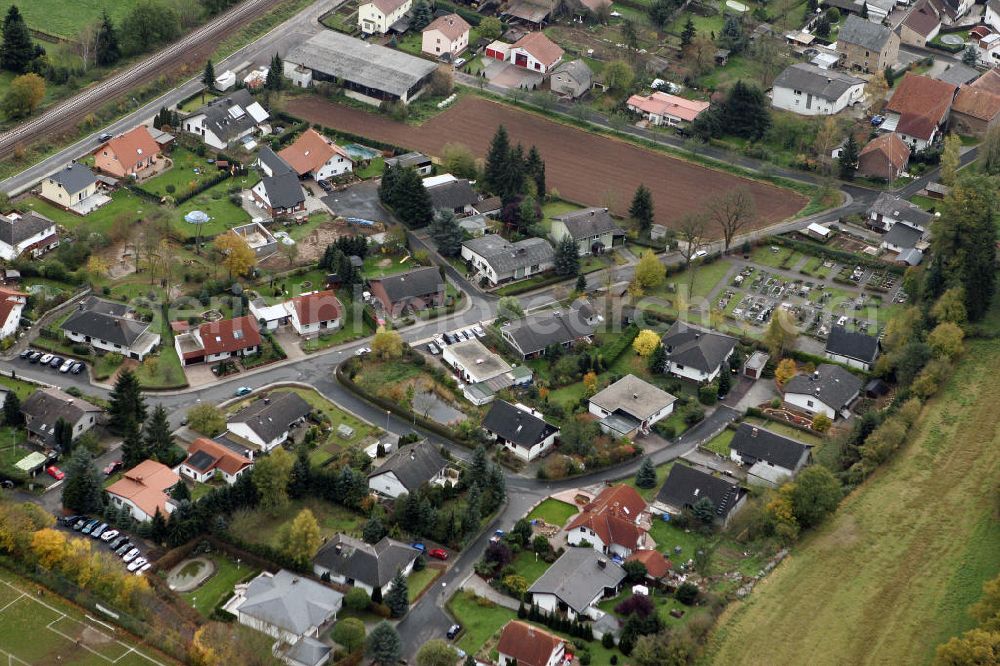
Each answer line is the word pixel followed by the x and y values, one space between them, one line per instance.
pixel 809 403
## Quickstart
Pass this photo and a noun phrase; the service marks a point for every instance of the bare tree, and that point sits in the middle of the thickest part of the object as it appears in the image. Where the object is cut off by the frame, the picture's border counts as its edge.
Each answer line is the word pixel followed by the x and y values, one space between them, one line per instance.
pixel 691 232
pixel 732 211
pixel 86 44
pixel 290 252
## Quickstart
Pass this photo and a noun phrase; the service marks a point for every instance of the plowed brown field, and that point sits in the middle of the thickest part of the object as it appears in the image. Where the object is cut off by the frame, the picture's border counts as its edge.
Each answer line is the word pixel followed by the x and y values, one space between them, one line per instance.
pixel 583 167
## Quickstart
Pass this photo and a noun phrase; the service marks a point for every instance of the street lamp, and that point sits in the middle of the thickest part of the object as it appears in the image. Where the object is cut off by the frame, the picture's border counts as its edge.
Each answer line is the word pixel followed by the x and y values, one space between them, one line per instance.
pixel 387 413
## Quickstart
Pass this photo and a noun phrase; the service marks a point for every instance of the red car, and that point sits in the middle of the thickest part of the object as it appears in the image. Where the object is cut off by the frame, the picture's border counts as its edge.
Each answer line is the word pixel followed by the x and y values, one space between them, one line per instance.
pixel 55 472
pixel 438 553
pixel 112 468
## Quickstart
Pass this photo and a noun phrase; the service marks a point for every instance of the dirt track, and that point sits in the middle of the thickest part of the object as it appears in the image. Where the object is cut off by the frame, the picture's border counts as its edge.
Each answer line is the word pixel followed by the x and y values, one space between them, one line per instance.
pixel 583 167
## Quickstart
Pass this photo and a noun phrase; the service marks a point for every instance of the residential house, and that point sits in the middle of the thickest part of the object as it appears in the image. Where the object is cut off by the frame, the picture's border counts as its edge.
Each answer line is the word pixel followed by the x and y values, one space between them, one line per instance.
pixel 991 16
pixel 829 390
pixel 576 583
pixel 27 233
pixel 12 303
pixel 285 606
pixel 110 327
pixel 208 459
pixel 144 490
pixel 812 91
pixel 884 158
pixel 857 350
pixel 534 334
pixel 519 429
pixel 446 35
pixel 315 312
pixel 878 10
pixel 572 79
pixel 48 405
pixel 367 72
pixel 377 16
pixel 473 362
pixel 536 12
pixel 418 161
pixel 218 341
pixel 890 210
pixel 771 458
pixel 415 290
pixel 228 119
pixel 903 237
pixel 498 260
pixel 953 10
pixel 131 154
pixel 269 317
pixel 70 187
pixel 452 194
pixel 976 109
pixel 592 229
pixel 270 163
pixel 695 353
pixel 657 566
pixel 536 52
pixel 313 155
pixel 686 486
pixel 410 468
pixel 918 109
pixel 280 193
pixel 660 108
pixel 921 25
pixel 523 644
pixel 868 47
pixel 614 523
pixel 349 561
pixel 490 206
pixel 267 422
pixel 630 405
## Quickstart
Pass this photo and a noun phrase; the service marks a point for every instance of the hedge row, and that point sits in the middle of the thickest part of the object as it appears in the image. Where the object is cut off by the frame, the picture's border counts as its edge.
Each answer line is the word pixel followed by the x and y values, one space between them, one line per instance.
pixel 836 255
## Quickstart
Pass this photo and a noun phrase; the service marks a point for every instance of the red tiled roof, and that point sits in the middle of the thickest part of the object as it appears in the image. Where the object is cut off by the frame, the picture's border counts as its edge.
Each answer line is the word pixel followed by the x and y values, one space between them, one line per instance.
pixel 922 104
pixel 657 566
pixel 990 82
pixel 226 460
pixel 317 306
pixel 145 485
pixel 923 18
pixel 134 146
pixel 309 152
pixel 541 48
pixel 528 644
pixel 9 300
pixel 662 104
pixel 977 102
pixel 612 516
pixel 386 6
pixel 451 26
pixel 890 147
pixel 229 335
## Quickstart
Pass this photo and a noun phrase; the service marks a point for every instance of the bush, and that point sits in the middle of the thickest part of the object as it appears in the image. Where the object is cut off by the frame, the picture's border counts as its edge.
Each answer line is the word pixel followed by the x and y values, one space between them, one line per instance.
pixel 708 394
pixel 357 599
pixel 637 604
pixel 687 593
pixel 693 415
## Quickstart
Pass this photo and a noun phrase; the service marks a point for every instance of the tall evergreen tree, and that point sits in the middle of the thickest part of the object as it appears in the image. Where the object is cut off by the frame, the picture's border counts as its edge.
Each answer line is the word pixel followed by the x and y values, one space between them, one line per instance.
pixel 847 163
pixel 387 186
pixel 373 530
pixel 398 597
pixel 688 33
pixel 497 158
pixel 411 201
pixel 181 492
pixel 158 527
pixel 567 257
pixel 133 447
pixel 300 482
pixel 473 510
pixel 159 441
pixel 12 415
pixel 646 476
pixel 641 209
pixel 63 435
pixel 746 111
pixel 658 360
pixel 422 15
pixel 208 76
pixel 725 382
pixel 383 645
pixel 126 403
pixel 535 167
pixel 275 74
pixel 18 51
pixel 108 51
pixel 447 235
pixel 82 491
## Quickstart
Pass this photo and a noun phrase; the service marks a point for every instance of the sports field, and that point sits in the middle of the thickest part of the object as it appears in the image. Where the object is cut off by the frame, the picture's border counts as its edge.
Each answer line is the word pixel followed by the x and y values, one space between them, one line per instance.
pixel 43 630
pixel 893 573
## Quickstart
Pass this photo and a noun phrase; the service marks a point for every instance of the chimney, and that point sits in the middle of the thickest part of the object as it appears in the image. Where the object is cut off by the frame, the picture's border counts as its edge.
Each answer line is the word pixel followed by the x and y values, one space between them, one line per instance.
pixel 267 400
pixel 635 396
pixel 815 375
pixel 602 563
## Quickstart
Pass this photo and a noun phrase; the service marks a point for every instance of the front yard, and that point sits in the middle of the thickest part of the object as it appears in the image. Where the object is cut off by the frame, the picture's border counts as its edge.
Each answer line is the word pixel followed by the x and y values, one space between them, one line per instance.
pixel 188 172
pixel 554 512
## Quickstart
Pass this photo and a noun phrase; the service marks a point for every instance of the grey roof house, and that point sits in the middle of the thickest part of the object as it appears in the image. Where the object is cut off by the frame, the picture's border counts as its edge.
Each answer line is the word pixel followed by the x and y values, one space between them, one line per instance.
pixel 696 353
pixel 408 469
pixel 867 46
pixel 530 336
pixel 771 458
pixel 498 260
pixel 829 390
pixel 592 229
pixel 26 233
pixel 266 422
pixel 572 78
pixel 279 194
pixel 227 119
pixel 110 327
pixel 422 163
pixel 456 196
pixel 889 210
pixel 350 561
pixel 810 90
pixel 46 406
pixel 576 582
pixel 520 429
pixel 902 237
pixel 857 350
pixel 631 404
pixel 418 289
pixel 285 605
pixel 686 486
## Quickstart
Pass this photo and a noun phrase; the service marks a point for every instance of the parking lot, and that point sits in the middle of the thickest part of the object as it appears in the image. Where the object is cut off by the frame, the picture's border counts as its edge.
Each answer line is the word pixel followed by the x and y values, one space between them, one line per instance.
pixel 115 541
pixel 56 363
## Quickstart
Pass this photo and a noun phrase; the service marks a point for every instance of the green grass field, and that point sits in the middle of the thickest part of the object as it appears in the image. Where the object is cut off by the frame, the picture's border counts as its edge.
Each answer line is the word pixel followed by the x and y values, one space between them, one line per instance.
pixel 720 443
pixel 49 630
pixel 649 493
pixel 65 19
pixel 553 512
pixel 893 573
pixel 529 565
pixel 259 526
pixel 418 581
pixel 219 586
pixel 182 174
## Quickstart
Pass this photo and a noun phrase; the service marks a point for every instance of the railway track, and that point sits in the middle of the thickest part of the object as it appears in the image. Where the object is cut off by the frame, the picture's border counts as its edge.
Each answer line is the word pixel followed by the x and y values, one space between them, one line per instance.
pixel 191 49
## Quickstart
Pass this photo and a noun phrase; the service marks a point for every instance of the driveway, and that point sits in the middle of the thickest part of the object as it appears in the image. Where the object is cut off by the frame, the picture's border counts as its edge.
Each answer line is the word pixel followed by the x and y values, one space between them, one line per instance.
pixel 360 200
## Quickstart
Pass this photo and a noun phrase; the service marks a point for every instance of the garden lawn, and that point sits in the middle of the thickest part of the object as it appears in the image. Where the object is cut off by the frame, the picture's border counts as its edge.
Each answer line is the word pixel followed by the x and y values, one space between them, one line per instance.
pixel 720 443
pixel 668 536
pixel 808 438
pixel 706 277
pixel 65 19
pixel 892 573
pixel 260 526
pixel 418 581
pixel 215 202
pixel 21 388
pixel 164 370
pixel 765 256
pixel 353 326
pixel 372 169
pixel 219 587
pixel 478 622
pixel 123 204
pixel 182 174
pixel 556 207
pixel 529 565
pixel 649 493
pixel 380 265
pixel 554 512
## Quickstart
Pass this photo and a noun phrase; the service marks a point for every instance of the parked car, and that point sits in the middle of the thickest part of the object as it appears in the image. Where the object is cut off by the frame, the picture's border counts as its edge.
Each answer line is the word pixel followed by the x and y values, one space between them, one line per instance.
pixel 112 467
pixel 363 351
pixel 143 569
pixel 123 548
pixel 478 330
pixel 89 527
pixel 438 553
pixel 98 531
pixel 136 563
pixel 108 535
pixel 35 357
pixel 55 472
pixel 118 542
pixel 433 349
pixel 450 339
pixel 67 366
pixel 78 524
pixel 439 341
pixel 243 390
pixel 419 546
pixel 325 185
pixel 104 136
pixel 56 361
pixel 27 352
pixel 45 359
pixel 459 62
pixel 469 334
pixel 453 631
pixel 699 254
pixel 69 520
pixel 131 555
pixel 77 368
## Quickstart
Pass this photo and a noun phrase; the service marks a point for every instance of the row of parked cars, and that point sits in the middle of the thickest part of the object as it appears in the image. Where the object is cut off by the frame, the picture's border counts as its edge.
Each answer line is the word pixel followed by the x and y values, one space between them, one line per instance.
pixel 461 335
pixel 61 364
pixel 120 544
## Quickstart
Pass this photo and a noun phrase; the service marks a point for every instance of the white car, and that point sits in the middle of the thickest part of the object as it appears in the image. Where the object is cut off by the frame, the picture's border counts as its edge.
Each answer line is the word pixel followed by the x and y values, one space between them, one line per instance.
pixel 143 569
pixel 363 351
pixel 478 330
pixel 137 563
pixel 65 367
pixel 439 341
pixel 109 535
pixel 45 359
pixel 459 62
pixel 699 254
pixel 131 555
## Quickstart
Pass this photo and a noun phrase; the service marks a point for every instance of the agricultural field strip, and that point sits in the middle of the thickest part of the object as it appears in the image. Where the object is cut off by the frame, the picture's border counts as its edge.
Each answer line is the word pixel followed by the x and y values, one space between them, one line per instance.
pixel 63 616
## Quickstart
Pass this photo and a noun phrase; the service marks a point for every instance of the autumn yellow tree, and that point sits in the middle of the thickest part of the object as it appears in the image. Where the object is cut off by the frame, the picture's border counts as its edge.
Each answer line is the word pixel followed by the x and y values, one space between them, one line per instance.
pixel 786 370
pixel 821 423
pixel 18 523
pixel 238 257
pixel 49 546
pixel 387 343
pixel 646 343
pixel 96 266
pixel 649 272
pixel 946 339
pixel 590 382
pixel 303 538
pixel 781 333
pixel 24 95
pixel 951 159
